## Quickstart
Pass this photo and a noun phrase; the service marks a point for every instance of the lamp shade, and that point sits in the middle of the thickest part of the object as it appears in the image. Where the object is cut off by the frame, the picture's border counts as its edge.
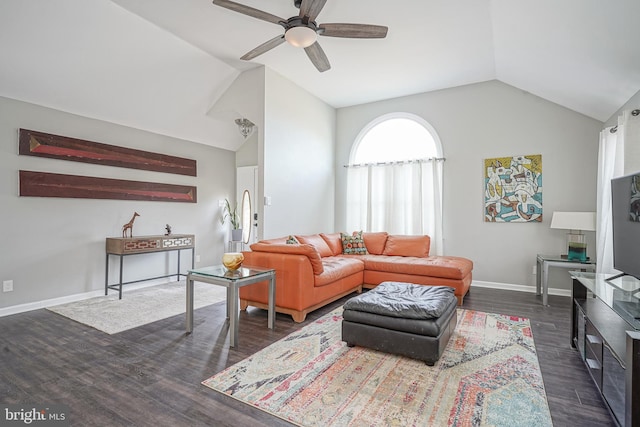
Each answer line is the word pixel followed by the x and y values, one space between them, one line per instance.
pixel 300 36
pixel 585 221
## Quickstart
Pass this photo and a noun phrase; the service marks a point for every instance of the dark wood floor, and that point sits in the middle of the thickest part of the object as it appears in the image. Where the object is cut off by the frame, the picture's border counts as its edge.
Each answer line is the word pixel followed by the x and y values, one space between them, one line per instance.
pixel 151 375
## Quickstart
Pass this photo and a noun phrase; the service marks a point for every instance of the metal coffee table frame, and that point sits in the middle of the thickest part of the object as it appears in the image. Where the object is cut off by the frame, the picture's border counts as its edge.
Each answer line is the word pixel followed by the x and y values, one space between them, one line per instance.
pixel 543 262
pixel 232 280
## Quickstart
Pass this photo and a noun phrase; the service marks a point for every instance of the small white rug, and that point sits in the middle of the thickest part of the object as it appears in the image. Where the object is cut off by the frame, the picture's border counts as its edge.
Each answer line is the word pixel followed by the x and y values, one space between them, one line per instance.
pixel 138 307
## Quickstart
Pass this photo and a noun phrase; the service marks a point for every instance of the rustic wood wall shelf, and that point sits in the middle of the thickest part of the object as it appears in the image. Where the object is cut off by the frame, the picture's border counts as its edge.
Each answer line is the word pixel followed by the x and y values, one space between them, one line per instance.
pixel 40 144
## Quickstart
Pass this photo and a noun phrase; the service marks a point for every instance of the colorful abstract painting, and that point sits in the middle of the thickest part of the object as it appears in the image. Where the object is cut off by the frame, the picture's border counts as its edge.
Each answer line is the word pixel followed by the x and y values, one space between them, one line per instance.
pixel 513 189
pixel 634 206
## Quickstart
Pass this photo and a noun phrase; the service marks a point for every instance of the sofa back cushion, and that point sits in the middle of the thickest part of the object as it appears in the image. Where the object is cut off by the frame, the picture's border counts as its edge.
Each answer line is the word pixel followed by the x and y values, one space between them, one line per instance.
pixel 400 245
pixel 375 242
pixel 318 242
pixel 303 249
pixel 277 241
pixel 333 241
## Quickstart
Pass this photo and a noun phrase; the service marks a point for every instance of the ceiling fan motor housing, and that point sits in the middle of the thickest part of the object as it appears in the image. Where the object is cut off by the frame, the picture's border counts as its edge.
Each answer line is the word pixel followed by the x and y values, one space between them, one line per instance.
pixel 296 21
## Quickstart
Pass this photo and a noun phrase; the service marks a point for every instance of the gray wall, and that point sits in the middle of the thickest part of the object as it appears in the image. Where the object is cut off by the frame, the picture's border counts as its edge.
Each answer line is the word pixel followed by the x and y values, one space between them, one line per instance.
pixel 486 120
pixel 54 247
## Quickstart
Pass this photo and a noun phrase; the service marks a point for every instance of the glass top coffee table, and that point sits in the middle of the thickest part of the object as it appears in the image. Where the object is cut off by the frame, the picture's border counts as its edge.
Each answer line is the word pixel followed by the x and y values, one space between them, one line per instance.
pixel 232 280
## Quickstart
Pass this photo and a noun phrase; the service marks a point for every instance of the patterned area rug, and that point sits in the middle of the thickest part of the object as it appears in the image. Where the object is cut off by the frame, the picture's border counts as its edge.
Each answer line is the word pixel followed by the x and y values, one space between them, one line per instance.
pixel 140 306
pixel 488 376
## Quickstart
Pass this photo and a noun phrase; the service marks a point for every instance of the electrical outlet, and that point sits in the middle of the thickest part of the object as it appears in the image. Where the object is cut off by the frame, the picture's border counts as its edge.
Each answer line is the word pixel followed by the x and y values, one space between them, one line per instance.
pixel 7 286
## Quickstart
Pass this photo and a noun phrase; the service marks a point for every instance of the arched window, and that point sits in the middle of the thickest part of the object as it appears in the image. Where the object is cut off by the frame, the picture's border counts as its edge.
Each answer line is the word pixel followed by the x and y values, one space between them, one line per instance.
pixel 394 181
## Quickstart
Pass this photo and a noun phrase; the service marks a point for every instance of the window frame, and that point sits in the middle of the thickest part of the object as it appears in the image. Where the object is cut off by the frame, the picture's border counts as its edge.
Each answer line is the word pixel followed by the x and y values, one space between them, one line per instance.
pixel 390 116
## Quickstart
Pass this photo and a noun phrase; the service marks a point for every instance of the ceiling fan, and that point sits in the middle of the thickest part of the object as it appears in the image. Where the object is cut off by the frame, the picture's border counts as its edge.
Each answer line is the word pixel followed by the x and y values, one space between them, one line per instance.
pixel 302 30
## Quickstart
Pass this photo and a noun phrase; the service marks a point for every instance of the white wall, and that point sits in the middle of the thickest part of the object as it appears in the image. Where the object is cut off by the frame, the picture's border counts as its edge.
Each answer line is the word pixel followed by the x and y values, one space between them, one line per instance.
pixel 245 98
pixel 298 160
pixel 247 154
pixel 488 120
pixel 631 151
pixel 54 247
pixel 632 104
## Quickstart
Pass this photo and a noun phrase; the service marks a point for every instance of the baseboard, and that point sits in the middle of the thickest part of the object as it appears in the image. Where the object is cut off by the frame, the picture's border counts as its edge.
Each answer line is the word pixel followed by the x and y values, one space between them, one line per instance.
pixel 519 288
pixel 15 309
pixel 21 308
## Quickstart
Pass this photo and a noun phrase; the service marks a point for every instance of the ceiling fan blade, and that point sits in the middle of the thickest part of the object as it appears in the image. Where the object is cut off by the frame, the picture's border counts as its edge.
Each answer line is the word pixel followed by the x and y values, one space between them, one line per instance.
pixel 248 10
pixel 264 47
pixel 318 57
pixel 311 8
pixel 357 31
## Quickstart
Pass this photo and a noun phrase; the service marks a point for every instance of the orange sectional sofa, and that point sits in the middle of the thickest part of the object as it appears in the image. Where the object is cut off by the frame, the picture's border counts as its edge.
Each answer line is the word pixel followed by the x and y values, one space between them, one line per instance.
pixel 316 271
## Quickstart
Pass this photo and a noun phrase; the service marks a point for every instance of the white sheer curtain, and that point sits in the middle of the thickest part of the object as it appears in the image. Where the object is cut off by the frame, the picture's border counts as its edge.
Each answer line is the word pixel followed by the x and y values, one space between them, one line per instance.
pixel 610 165
pixel 432 205
pixel 400 198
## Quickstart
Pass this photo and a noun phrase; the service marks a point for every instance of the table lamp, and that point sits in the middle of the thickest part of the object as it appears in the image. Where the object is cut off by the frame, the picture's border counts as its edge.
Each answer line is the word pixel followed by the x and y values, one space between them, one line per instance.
pixel 576 223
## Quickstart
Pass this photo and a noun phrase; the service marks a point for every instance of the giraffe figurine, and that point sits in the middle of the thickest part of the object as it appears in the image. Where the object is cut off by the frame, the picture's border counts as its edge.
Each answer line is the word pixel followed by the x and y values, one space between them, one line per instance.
pixel 129 226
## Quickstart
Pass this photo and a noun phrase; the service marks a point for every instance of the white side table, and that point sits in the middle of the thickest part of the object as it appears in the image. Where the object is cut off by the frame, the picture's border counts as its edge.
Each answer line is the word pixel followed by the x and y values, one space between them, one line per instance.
pixel 542 271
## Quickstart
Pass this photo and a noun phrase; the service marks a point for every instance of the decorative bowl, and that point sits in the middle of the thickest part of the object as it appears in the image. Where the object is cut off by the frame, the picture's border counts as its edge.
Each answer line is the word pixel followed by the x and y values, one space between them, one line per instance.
pixel 232 260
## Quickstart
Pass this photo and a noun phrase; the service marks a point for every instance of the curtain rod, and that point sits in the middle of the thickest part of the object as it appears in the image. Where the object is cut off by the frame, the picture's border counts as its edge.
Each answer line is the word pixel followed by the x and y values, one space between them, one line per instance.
pixel 430 159
pixel 634 113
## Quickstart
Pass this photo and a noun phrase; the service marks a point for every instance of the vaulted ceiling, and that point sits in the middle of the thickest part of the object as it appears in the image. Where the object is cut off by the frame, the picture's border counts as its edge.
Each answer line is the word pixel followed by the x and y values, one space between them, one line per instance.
pixel 160 65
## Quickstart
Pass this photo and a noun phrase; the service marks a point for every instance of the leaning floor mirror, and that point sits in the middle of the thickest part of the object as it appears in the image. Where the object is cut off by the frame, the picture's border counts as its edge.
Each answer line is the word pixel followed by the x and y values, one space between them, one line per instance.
pixel 246 216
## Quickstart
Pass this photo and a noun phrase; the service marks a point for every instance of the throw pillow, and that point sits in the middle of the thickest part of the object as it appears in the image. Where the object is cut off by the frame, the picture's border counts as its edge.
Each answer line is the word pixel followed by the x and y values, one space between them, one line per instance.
pixel 291 240
pixel 354 244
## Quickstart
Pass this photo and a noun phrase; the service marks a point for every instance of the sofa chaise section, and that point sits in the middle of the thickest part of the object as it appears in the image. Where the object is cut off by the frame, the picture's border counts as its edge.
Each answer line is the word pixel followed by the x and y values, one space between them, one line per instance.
pixel 401 258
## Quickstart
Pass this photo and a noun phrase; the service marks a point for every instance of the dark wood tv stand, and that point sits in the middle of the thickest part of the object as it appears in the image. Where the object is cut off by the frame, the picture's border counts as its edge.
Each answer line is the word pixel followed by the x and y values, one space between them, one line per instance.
pixel 606 332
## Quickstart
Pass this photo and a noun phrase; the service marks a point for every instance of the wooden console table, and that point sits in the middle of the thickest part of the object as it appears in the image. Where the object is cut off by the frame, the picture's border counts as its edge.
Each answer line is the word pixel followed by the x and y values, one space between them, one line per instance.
pixel 124 246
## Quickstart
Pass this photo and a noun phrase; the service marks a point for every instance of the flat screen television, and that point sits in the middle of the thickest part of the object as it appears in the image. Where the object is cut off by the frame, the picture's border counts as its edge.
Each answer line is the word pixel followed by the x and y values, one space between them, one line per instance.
pixel 625 203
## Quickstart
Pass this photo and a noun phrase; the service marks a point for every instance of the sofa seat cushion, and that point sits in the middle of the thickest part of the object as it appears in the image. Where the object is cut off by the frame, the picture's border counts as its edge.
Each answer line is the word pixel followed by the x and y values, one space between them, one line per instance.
pixel 404 301
pixel 447 267
pixel 335 268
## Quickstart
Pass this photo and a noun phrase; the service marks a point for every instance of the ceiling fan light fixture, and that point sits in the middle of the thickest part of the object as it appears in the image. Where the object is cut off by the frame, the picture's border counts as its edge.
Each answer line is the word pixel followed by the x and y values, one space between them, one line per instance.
pixel 300 36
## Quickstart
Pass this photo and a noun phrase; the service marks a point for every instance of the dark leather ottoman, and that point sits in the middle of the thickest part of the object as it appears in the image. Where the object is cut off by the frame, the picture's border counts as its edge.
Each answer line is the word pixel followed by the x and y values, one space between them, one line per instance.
pixel 402 318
